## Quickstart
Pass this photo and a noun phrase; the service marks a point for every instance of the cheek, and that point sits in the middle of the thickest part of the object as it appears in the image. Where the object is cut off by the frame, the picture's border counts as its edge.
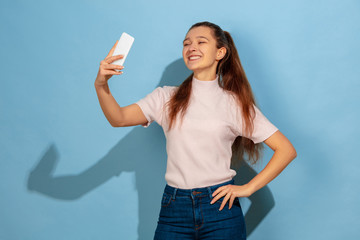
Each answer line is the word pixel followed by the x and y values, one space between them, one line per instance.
pixel 212 54
pixel 184 49
pixel 183 54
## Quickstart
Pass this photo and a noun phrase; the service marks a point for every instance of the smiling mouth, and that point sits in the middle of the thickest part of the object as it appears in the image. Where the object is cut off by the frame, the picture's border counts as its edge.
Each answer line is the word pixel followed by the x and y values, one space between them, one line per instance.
pixel 194 58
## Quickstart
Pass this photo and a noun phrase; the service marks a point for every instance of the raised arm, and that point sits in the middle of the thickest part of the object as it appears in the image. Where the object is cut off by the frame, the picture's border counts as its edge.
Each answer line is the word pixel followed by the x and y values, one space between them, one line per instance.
pixel 117 116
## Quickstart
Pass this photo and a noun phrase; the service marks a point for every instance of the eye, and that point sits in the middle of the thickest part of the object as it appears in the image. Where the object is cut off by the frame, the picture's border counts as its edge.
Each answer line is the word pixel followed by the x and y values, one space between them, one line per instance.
pixel 201 42
pixel 185 44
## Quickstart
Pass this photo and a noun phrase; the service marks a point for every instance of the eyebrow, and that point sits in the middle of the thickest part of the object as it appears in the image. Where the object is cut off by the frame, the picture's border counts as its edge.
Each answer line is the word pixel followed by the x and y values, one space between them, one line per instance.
pixel 196 37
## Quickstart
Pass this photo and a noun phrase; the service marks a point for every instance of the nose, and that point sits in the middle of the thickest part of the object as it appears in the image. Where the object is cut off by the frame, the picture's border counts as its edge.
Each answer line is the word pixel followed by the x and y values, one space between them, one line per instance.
pixel 192 47
pixel 190 50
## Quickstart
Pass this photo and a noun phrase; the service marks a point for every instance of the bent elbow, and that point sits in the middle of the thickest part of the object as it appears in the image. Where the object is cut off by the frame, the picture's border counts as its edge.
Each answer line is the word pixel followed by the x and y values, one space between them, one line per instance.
pixel 115 124
pixel 290 153
pixel 293 153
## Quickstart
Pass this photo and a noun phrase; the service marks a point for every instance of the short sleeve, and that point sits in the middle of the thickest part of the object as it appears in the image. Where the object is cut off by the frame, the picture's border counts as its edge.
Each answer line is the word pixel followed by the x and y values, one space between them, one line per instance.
pixel 152 105
pixel 263 128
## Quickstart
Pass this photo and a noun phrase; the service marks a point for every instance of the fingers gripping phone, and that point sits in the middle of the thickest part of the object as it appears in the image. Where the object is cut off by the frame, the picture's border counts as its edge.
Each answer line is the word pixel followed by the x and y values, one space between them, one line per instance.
pixel 123 48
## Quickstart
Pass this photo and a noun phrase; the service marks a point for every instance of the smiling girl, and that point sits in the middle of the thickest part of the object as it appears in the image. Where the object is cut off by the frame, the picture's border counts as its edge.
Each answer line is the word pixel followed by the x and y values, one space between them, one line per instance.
pixel 208 117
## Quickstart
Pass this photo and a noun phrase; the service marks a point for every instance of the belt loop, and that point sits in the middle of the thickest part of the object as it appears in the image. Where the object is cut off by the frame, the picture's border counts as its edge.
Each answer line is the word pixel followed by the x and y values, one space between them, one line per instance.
pixel 210 192
pixel 174 194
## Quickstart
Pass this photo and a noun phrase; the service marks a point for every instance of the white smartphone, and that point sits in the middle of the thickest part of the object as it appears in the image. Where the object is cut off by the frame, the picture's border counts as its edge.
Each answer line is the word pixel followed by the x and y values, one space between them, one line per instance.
pixel 123 47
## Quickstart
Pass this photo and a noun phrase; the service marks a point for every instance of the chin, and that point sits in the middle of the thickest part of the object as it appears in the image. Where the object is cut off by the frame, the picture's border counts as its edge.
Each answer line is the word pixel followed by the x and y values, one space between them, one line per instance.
pixel 192 67
pixel 189 67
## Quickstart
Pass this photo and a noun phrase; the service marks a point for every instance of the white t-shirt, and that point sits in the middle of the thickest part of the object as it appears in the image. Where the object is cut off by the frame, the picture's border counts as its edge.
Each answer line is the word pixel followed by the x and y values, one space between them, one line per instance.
pixel 199 152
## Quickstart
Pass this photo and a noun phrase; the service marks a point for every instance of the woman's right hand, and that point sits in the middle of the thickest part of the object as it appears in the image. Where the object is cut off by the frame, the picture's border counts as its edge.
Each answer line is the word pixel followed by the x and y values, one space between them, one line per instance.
pixel 106 69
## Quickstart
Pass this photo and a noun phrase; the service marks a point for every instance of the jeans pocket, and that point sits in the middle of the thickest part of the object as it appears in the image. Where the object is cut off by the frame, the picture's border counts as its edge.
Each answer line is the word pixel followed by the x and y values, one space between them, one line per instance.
pixel 235 202
pixel 166 200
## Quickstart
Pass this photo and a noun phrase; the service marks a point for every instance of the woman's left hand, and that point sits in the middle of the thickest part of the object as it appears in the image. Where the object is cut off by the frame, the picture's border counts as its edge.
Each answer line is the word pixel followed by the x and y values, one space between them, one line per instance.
pixel 230 191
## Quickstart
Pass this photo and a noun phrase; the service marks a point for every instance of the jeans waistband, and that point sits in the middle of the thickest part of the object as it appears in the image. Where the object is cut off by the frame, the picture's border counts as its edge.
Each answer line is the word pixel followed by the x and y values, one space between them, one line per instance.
pixel 195 191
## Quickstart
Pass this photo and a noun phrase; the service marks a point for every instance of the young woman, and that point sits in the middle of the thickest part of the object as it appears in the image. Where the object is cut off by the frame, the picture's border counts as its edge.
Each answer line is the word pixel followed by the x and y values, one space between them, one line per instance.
pixel 211 115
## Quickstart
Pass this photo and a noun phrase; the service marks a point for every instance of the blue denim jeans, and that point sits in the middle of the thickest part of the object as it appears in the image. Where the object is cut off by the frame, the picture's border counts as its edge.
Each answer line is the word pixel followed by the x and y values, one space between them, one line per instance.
pixel 188 214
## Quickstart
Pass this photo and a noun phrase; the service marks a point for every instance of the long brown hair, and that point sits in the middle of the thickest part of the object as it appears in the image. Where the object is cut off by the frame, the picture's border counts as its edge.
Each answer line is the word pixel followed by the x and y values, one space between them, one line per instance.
pixel 231 78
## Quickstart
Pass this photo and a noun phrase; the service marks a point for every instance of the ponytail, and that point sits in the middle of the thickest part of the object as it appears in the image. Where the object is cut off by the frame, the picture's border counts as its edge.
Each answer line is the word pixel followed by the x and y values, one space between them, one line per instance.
pixel 234 79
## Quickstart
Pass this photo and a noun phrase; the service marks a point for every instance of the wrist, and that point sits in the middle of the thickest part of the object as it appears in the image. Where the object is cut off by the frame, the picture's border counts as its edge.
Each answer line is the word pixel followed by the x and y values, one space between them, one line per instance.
pixel 251 188
pixel 98 86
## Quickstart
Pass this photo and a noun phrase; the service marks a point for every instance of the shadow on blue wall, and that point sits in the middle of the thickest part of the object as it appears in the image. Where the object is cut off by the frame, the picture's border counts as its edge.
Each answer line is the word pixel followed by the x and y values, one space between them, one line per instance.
pixel 142 151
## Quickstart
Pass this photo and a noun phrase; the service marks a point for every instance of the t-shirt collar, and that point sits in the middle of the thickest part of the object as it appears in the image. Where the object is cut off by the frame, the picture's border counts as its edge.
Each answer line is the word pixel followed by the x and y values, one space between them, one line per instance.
pixel 201 85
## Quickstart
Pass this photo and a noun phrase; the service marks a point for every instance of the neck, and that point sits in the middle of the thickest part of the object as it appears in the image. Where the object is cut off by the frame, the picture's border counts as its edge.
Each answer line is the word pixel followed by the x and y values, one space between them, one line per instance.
pixel 205 76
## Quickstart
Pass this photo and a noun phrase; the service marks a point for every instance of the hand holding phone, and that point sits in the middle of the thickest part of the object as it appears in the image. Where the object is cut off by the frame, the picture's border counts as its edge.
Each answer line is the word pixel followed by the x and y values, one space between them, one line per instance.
pixel 113 63
pixel 123 48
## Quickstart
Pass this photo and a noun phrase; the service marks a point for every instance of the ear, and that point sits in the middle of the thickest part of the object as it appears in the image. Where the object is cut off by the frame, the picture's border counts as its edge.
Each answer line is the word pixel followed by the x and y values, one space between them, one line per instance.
pixel 221 52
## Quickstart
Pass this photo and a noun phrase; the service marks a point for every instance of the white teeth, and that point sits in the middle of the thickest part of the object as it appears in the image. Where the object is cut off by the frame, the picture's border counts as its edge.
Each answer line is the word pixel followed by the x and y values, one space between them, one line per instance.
pixel 196 57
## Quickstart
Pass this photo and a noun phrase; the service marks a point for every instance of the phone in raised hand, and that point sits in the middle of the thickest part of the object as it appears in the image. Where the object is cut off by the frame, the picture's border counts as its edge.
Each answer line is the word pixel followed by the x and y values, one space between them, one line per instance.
pixel 123 48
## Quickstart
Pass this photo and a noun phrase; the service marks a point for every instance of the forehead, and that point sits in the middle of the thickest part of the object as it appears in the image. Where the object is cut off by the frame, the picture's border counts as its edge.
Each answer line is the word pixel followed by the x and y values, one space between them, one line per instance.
pixel 198 32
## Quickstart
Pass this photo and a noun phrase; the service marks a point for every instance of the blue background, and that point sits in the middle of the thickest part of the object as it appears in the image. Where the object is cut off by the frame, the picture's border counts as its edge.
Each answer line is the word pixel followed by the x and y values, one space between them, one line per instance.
pixel 67 174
